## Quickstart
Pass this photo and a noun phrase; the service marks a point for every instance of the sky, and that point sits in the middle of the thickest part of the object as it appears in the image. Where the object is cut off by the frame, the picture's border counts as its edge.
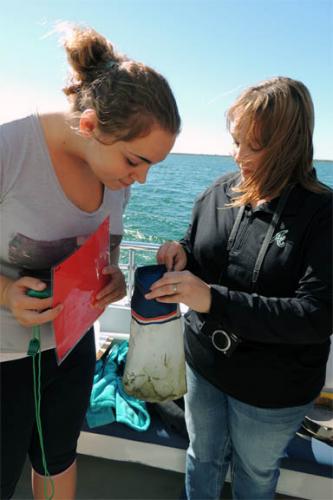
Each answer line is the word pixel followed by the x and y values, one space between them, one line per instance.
pixel 209 50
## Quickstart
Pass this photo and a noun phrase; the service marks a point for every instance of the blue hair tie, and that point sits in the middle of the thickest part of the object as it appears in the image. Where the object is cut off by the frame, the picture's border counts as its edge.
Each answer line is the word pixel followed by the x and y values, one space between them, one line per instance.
pixel 111 64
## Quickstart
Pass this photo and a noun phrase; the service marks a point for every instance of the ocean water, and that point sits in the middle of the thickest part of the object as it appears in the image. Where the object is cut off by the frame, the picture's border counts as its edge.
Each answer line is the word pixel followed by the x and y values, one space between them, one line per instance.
pixel 161 209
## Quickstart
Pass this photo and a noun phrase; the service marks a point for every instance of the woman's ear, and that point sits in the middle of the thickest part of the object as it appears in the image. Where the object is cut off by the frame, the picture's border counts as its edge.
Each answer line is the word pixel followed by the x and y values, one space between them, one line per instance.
pixel 88 122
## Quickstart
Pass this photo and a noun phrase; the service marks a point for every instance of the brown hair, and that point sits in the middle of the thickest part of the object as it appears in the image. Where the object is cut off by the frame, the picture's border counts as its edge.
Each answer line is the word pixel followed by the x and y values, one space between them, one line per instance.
pixel 280 115
pixel 127 96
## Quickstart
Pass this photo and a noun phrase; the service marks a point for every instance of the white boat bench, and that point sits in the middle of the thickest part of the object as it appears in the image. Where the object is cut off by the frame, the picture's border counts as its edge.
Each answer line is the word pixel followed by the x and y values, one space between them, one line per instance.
pixel 306 471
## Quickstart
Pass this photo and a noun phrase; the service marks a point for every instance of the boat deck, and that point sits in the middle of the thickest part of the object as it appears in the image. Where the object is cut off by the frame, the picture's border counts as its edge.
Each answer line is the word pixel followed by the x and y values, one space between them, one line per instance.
pixel 101 479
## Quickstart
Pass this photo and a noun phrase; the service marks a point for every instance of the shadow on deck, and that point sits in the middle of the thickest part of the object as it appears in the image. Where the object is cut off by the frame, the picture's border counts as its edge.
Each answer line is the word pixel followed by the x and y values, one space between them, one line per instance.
pixel 102 479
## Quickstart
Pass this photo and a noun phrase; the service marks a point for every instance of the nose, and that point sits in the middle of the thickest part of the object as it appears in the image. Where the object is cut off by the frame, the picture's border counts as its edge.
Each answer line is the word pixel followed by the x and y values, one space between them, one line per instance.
pixel 140 174
pixel 235 153
pixel 240 154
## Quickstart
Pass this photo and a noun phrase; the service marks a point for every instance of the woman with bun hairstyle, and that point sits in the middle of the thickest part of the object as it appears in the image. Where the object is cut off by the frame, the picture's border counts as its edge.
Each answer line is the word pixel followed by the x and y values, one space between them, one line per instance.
pixel 255 269
pixel 61 175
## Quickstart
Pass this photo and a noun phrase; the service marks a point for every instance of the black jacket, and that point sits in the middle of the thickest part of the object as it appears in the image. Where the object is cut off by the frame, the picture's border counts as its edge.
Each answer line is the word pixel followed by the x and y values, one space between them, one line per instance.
pixel 286 321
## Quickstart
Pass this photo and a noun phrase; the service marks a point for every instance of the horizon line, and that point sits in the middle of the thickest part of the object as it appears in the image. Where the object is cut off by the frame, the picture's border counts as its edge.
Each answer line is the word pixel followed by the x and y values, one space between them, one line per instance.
pixel 229 156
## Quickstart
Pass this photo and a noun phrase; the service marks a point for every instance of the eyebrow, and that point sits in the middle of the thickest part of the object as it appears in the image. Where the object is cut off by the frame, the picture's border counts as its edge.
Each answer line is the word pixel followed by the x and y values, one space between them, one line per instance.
pixel 139 156
pixel 144 159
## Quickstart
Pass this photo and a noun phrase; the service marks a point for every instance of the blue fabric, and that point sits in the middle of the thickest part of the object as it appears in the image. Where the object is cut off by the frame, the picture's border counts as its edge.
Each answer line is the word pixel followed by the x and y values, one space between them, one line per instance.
pixel 225 431
pixel 145 276
pixel 309 455
pixel 108 401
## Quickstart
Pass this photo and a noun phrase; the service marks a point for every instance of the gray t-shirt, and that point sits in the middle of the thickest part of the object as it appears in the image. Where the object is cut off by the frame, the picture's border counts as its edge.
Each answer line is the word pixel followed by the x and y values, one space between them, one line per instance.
pixel 39 225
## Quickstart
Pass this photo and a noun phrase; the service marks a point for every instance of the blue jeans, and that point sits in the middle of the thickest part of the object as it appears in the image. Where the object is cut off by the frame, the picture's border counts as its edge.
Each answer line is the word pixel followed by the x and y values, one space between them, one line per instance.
pixel 225 431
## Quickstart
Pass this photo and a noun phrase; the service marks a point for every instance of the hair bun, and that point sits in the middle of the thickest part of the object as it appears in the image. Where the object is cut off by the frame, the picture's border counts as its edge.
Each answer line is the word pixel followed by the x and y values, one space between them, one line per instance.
pixel 88 52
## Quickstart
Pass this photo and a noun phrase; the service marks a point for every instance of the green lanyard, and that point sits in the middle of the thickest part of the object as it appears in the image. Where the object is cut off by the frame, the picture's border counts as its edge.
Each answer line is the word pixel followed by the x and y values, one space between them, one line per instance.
pixel 35 352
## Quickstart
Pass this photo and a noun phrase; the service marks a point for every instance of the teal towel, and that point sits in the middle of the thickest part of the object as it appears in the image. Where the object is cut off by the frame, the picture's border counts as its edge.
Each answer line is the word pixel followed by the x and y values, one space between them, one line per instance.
pixel 108 401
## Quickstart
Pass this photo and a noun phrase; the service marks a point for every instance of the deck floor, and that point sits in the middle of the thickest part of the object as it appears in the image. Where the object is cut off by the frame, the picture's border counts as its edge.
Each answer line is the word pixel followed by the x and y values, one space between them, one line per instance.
pixel 101 479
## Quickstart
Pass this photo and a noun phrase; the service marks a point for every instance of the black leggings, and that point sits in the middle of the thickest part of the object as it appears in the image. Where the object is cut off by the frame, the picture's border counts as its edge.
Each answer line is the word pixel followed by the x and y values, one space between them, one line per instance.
pixel 65 393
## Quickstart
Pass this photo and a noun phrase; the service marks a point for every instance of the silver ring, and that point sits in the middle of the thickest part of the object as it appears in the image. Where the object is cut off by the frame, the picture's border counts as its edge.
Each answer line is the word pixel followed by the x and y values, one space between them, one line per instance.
pixel 174 289
pixel 226 338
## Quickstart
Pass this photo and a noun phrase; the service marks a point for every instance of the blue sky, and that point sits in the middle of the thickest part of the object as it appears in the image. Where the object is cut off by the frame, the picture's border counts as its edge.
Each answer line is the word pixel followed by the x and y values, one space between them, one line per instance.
pixel 208 49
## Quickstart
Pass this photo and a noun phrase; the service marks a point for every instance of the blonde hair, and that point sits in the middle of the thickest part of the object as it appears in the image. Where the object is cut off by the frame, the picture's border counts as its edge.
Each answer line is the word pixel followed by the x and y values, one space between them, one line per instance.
pixel 280 117
pixel 127 96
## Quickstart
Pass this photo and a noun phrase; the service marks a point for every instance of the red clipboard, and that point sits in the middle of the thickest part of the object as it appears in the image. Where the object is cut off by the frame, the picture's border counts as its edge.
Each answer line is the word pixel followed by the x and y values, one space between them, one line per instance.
pixel 76 281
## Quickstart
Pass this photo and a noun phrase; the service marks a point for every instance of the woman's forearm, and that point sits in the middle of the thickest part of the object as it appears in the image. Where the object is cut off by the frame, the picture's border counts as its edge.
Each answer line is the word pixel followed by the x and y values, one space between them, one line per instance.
pixel 4 284
pixel 114 255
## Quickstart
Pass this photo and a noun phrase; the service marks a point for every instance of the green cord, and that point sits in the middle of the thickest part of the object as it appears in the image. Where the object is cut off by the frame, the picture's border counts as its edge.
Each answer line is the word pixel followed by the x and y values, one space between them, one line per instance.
pixel 34 349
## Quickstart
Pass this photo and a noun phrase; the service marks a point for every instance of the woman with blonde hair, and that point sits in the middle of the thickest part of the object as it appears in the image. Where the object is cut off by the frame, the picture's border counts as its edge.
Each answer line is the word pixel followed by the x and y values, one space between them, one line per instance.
pixel 61 175
pixel 255 270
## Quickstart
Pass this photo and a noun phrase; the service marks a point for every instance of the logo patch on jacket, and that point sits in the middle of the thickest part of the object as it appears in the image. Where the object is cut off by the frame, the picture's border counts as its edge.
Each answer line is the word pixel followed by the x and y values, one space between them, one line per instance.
pixel 280 238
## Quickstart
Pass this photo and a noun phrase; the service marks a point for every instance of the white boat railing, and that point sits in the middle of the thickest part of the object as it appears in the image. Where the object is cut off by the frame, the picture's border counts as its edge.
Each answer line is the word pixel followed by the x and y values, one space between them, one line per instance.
pixel 133 248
